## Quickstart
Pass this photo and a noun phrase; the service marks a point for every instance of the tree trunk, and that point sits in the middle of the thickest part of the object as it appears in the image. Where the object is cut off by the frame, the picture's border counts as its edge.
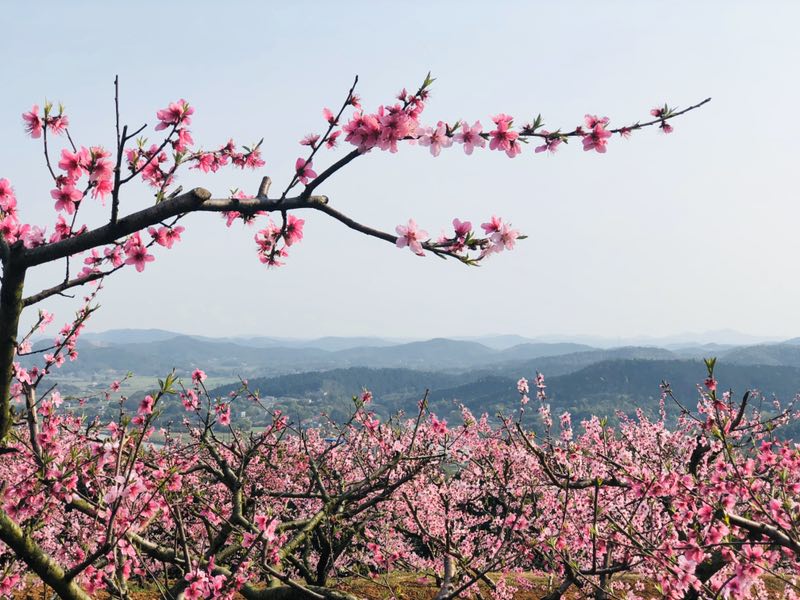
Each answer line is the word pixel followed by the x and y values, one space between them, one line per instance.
pixel 48 570
pixel 449 575
pixel 10 309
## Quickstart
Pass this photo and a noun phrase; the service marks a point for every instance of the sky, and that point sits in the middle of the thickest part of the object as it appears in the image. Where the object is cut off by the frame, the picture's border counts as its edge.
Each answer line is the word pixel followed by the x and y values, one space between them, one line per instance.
pixel 692 231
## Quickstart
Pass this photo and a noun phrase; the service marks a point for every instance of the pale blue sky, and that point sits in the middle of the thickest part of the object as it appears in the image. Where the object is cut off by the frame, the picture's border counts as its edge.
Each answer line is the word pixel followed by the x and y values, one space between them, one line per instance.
pixel 664 234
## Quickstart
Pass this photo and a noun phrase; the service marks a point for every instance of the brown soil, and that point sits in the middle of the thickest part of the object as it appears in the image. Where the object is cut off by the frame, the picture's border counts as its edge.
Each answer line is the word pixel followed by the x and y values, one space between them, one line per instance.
pixel 410 587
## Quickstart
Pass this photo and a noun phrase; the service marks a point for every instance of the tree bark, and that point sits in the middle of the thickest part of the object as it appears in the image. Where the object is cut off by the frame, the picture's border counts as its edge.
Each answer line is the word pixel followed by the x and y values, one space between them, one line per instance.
pixel 10 309
pixel 48 570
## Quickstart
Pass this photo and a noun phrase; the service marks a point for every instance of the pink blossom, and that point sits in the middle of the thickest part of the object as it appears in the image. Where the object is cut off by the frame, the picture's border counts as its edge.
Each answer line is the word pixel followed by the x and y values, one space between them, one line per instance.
pixel 514 148
pixel 435 138
pixel 304 171
pixel 462 228
pixel 146 405
pixel 362 131
pixel 159 235
pixel 439 427
pixel 114 256
pixel 62 230
pixel 8 201
pixel 35 237
pixel 177 113
pixel 470 136
pixel 102 188
pixel 57 124
pixel 45 319
pixel 8 584
pixel 502 137
pixel 198 376
pixel 411 236
pixel 184 141
pixel 396 125
pixel 33 122
pixel 551 144
pixel 597 138
pixel 74 163
pixel 332 140
pixel 173 234
pixel 493 225
pixel 328 115
pixel 294 230
pixel 66 198
pixel 138 256
pixel 505 238
pixel 593 121
pixel 94 259
pixel 310 139
pixel 190 400
pixel 224 414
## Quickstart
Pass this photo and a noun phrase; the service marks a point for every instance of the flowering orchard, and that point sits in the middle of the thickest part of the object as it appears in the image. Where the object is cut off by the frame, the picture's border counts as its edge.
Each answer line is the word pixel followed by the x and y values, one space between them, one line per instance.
pixel 89 507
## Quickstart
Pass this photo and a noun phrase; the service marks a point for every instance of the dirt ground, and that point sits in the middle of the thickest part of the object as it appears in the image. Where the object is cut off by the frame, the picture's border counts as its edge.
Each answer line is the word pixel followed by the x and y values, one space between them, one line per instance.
pixel 410 587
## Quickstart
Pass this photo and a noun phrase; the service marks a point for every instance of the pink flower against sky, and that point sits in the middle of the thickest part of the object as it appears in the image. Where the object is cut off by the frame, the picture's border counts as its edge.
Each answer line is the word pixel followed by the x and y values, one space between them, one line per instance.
pixel 33 123
pixel 550 144
pixel 333 139
pixel 363 131
pixel 470 136
pixel 7 199
pixel 66 197
pixel 435 138
pixel 304 171
pixel 462 228
pixel 294 229
pixel 74 163
pixel 310 139
pixel 177 113
pixel 597 138
pixel 411 236
pixel 503 137
pixel 138 256
pixel 57 124
pixel 494 225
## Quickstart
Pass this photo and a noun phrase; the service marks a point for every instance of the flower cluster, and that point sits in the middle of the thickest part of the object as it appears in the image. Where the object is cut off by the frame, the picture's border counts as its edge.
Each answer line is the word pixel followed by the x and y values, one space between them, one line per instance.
pixel 462 244
pixel 274 240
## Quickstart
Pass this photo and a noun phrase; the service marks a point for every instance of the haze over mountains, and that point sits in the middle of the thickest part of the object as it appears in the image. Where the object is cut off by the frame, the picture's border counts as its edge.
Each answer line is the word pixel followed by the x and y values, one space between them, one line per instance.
pixel 308 376
pixel 151 351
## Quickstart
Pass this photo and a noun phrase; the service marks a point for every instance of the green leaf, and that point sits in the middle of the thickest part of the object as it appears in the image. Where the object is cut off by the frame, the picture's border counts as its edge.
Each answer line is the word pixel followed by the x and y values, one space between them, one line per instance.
pixel 710 364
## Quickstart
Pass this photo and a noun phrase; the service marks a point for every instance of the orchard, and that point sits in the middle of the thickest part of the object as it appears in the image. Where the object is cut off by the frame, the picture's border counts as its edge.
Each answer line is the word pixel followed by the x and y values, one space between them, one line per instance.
pixel 88 508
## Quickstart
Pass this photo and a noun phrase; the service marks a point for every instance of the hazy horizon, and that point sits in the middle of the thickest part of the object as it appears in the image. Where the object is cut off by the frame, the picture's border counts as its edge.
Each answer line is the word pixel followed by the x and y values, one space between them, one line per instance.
pixel 694 231
pixel 723 337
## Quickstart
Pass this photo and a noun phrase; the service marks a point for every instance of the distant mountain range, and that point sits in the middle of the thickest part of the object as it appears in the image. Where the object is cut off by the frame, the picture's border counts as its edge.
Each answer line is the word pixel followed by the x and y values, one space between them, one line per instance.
pixel 102 355
pixel 306 377
pixel 155 351
pixel 723 337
